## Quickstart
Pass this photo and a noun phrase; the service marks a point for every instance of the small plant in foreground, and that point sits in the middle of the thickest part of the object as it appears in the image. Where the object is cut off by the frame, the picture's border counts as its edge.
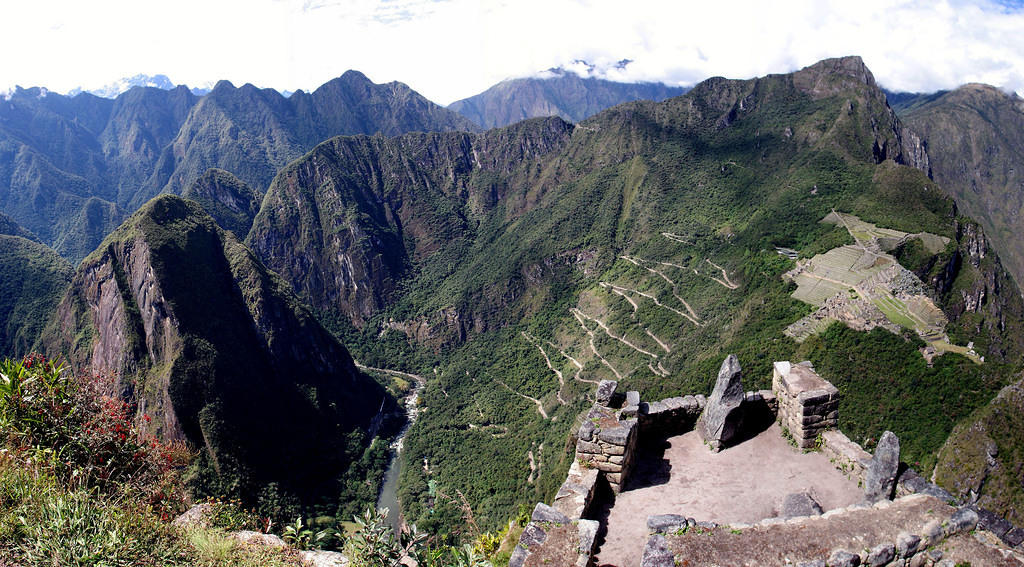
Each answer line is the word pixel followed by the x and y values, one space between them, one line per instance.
pixel 300 535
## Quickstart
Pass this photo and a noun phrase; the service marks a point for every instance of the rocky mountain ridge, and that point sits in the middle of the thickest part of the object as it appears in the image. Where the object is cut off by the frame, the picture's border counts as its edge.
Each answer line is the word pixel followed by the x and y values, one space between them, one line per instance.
pixel 975 145
pixel 215 350
pixel 558 93
pixel 71 168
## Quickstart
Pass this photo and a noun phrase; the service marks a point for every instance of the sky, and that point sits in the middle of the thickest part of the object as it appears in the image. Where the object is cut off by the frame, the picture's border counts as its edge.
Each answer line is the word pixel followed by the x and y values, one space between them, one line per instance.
pixel 452 49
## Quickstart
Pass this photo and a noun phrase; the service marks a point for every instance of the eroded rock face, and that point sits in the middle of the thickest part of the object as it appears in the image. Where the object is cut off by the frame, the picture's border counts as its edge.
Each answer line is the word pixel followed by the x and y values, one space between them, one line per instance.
pixel 722 419
pixel 215 350
pixel 349 263
pixel 880 480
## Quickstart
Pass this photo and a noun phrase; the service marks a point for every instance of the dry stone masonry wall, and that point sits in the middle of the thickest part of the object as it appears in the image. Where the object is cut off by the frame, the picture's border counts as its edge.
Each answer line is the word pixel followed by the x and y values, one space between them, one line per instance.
pixel 808 404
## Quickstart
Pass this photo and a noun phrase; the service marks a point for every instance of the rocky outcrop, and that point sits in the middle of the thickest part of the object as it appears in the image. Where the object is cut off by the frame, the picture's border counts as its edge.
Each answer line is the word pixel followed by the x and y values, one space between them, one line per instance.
pixel 980 461
pixel 722 420
pixel 975 292
pixel 880 479
pixel 217 351
pixel 800 504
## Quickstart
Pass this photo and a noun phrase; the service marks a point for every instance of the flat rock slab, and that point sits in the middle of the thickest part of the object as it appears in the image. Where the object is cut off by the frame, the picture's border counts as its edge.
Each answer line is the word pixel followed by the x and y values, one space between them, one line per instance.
pixel 720 487
pixel 810 538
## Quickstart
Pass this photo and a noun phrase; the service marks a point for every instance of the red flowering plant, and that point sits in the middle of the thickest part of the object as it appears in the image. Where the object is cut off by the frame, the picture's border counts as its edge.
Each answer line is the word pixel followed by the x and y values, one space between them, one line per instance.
pixel 73 427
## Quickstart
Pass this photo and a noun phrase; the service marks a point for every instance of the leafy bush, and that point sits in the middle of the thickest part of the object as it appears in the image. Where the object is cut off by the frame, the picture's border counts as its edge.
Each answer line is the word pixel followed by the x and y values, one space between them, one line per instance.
pixel 79 432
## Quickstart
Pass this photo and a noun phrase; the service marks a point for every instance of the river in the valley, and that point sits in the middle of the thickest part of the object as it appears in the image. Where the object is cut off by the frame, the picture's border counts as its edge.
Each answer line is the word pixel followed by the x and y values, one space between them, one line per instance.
pixel 388 497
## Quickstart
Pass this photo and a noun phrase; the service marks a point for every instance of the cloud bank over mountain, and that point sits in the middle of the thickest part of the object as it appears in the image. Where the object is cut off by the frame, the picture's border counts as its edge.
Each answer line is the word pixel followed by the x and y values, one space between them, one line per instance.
pixel 448 49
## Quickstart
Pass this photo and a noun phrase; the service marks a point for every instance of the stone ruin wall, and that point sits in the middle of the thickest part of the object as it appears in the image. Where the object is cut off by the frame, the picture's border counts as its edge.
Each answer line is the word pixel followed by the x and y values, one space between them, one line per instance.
pixel 808 404
pixel 804 403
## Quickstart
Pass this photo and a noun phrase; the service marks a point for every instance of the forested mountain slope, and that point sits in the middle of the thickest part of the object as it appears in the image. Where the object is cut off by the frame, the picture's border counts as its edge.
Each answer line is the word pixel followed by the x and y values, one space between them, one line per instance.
pixel 516 267
pixel 215 349
pixel 72 168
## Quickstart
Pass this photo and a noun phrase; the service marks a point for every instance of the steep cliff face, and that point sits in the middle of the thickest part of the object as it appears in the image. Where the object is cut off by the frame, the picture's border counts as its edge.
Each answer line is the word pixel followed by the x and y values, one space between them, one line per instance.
pixel 974 290
pixel 217 351
pixel 975 140
pixel 227 199
pixel 344 224
pixel 982 459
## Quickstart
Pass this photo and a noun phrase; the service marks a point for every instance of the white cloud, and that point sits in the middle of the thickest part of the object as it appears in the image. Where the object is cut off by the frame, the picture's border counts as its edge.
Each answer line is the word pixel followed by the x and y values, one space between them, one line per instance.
pixel 449 49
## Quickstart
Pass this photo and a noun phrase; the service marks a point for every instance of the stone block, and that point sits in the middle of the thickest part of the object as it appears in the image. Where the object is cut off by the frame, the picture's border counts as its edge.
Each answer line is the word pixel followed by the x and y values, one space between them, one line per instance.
pixel 843 558
pixel 616 435
pixel 657 553
pixel 586 432
pixel 588 447
pixel 666 523
pixel 931 533
pixel 614 477
pixel 673 404
pixel 629 411
pixel 691 405
pixel 544 513
pixel 907 544
pixel 607 467
pixel 587 532
pixel 606 391
pixel 880 479
pixel 963 520
pixel 617 459
pixel 612 450
pixel 533 535
pixel 632 398
pixel 881 555
pixel 800 504
pixel 722 419
pixel 519 557
pixel 812 419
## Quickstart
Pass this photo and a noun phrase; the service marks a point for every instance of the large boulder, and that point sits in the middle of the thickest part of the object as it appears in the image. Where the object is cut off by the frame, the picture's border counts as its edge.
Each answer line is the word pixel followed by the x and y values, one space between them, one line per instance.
pixel 722 420
pixel 880 480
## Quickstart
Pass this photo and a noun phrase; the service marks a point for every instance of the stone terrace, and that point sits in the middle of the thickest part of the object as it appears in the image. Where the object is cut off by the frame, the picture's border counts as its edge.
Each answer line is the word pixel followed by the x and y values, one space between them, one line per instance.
pixel 759 501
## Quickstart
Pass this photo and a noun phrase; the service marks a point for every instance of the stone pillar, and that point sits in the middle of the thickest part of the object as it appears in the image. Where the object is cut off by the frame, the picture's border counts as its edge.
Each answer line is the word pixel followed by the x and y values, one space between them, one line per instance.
pixel 722 420
pixel 808 404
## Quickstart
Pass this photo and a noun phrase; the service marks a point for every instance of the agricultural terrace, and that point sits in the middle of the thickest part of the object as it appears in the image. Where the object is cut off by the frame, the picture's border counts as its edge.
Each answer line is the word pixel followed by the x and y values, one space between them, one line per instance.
pixel 860 284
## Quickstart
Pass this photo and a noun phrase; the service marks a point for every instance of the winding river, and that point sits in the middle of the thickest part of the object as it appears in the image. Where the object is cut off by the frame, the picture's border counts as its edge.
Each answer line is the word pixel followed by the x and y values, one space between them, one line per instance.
pixel 388 497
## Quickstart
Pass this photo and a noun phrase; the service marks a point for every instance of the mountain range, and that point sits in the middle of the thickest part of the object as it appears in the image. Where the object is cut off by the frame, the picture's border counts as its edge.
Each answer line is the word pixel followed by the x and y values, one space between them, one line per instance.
pixel 71 169
pixel 557 93
pixel 509 269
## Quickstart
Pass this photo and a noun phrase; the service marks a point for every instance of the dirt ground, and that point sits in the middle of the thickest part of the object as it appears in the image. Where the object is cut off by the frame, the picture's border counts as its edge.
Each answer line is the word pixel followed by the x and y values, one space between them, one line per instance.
pixel 741 484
